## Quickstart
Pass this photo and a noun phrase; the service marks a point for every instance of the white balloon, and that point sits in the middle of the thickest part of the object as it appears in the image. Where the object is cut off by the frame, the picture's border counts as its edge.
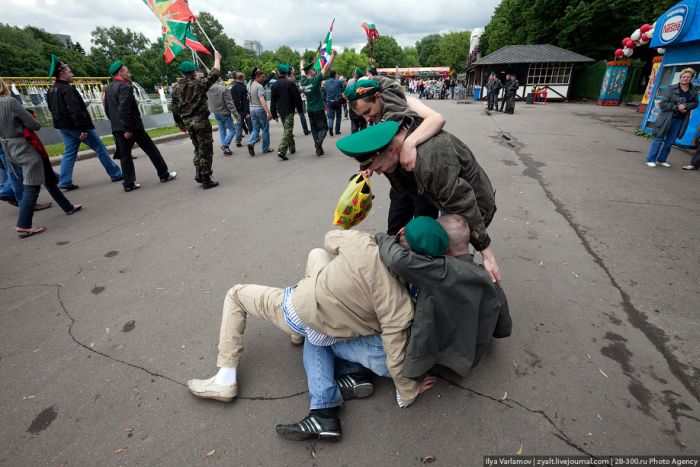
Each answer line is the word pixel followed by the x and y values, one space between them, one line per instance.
pixel 627 52
pixel 661 50
pixel 643 42
pixel 635 35
pixel 650 33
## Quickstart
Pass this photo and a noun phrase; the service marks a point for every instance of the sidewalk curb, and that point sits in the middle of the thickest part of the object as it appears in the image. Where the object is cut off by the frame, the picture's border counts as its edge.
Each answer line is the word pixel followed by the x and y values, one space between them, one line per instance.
pixel 89 154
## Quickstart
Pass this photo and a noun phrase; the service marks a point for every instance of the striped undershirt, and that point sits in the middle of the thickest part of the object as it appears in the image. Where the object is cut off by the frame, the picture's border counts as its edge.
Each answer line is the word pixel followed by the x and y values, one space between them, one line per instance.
pixel 297 325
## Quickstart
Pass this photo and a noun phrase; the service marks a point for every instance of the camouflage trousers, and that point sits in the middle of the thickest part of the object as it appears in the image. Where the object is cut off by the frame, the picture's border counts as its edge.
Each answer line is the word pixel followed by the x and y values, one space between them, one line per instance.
pixel 287 142
pixel 199 129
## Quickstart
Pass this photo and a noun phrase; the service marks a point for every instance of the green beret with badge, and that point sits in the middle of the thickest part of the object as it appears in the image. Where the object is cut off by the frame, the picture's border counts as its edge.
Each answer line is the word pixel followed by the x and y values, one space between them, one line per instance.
pixel 187 67
pixel 359 72
pixel 283 68
pixel 115 67
pixel 361 88
pixel 56 66
pixel 426 236
pixel 368 143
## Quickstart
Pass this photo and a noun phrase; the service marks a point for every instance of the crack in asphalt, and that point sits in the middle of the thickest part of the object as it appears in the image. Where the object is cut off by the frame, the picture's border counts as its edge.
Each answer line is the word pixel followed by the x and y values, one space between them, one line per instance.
pixel 635 317
pixel 560 434
pixel 124 362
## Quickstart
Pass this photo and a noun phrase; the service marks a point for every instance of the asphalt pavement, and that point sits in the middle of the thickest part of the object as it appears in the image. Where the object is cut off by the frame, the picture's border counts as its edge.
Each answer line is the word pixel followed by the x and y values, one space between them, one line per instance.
pixel 107 314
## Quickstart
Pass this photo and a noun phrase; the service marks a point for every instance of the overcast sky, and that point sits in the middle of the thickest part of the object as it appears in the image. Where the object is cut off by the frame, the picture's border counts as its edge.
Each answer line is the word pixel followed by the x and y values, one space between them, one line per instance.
pixel 300 24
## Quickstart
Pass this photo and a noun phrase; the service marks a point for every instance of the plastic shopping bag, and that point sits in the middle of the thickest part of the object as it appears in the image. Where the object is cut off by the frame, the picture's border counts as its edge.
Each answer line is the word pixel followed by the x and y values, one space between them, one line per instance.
pixel 355 202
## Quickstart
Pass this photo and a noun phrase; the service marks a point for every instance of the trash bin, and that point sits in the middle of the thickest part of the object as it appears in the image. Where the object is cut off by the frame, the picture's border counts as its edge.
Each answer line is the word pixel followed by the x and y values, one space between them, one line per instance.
pixel 477 93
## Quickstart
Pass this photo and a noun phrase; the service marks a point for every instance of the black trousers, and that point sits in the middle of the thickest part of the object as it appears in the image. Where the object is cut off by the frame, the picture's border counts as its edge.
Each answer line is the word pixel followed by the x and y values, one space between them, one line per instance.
pixel 695 161
pixel 319 125
pixel 405 206
pixel 357 124
pixel 510 103
pixel 492 100
pixel 123 153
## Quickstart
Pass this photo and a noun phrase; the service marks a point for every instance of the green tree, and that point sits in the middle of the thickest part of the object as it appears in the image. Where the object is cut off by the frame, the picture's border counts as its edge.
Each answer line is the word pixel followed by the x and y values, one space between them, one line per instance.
pixel 410 57
pixel 285 54
pixel 428 49
pixel 346 62
pixel 387 52
pixel 453 50
pixel 233 56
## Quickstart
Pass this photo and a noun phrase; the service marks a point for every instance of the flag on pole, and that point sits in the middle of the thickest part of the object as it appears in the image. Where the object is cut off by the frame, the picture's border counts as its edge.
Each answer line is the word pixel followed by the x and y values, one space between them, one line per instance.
pixel 176 18
pixel 371 31
pixel 326 49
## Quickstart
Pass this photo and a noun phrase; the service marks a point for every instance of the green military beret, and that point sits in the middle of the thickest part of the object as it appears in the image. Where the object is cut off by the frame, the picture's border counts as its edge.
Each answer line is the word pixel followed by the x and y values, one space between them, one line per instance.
pixel 361 88
pixel 186 67
pixel 308 66
pixel 283 68
pixel 426 236
pixel 115 67
pixel 359 72
pixel 365 144
pixel 56 66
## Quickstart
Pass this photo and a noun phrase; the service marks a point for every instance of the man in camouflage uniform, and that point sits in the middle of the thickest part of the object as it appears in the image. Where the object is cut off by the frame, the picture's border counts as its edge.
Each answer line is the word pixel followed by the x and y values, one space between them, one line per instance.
pixel 285 98
pixel 191 114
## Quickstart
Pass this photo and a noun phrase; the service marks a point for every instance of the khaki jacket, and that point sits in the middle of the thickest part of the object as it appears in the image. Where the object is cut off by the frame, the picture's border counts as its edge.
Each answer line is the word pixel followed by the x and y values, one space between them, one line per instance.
pixel 356 295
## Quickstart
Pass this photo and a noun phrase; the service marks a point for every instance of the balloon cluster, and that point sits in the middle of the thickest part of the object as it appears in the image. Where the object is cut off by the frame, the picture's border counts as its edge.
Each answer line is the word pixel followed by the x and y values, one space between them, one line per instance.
pixel 641 36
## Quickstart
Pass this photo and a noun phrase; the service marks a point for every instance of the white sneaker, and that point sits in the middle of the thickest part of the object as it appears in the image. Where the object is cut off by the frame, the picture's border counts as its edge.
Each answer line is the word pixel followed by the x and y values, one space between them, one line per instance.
pixel 689 167
pixel 664 164
pixel 651 164
pixel 208 389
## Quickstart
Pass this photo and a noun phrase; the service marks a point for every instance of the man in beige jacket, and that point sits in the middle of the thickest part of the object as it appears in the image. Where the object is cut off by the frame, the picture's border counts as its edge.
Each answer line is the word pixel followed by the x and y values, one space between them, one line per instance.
pixel 347 292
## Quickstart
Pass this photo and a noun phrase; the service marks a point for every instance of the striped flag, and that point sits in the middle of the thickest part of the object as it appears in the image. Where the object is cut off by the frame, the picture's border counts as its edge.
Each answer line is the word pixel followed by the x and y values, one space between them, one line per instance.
pixel 326 49
pixel 176 19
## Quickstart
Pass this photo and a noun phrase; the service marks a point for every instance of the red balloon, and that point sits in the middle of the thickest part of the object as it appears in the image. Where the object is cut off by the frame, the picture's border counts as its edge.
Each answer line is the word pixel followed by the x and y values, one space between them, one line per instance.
pixel 619 53
pixel 644 28
pixel 624 41
pixel 645 38
pixel 631 44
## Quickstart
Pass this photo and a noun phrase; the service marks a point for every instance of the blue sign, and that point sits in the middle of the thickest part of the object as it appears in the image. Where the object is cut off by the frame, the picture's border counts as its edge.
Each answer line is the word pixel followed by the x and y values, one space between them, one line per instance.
pixel 672 26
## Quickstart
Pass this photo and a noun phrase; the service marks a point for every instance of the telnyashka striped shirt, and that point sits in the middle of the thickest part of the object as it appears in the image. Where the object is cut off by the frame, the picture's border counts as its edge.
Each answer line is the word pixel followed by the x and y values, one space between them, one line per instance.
pixel 297 325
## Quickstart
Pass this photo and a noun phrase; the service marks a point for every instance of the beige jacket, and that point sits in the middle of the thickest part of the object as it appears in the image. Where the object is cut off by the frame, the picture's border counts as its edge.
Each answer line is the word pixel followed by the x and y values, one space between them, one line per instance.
pixel 356 295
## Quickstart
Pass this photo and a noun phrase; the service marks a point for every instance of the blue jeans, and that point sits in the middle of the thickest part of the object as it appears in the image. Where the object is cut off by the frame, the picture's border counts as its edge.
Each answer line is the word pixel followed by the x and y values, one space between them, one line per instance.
pixel 661 145
pixel 260 124
pixel 13 188
pixel 71 141
pixel 226 129
pixel 334 114
pixel 324 364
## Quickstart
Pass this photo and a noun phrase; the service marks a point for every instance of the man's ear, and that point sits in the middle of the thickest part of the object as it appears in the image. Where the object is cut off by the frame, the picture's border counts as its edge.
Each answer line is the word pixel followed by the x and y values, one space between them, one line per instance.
pixel 377 96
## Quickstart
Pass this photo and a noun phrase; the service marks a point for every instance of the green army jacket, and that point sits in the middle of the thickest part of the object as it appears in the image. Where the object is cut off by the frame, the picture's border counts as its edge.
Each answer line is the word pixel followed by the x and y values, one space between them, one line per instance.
pixel 190 97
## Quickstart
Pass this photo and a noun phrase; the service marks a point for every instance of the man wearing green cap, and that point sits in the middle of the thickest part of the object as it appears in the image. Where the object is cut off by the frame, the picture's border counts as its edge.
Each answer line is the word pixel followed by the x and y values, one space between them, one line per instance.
pixel 127 127
pixel 71 117
pixel 446 172
pixel 191 113
pixel 285 98
pixel 311 84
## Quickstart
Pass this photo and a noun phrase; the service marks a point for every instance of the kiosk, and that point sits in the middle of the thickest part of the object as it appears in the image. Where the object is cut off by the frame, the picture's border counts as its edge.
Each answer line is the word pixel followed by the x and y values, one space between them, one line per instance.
pixel 677 31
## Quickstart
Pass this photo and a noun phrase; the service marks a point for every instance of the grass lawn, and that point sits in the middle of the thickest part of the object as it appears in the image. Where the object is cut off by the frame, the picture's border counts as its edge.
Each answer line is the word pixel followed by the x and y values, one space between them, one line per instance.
pixel 57 149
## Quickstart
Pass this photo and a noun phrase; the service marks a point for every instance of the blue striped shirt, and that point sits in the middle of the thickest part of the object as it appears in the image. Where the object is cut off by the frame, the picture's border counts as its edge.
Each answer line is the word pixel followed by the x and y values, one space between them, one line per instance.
pixel 297 325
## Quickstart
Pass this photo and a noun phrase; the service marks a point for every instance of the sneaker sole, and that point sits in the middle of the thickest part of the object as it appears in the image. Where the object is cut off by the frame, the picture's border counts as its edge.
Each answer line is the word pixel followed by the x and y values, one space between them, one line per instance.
pixel 213 397
pixel 359 391
pixel 330 436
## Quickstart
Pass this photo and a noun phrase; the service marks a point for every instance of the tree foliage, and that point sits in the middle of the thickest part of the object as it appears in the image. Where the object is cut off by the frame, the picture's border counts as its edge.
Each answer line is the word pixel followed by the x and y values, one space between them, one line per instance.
pixel 387 52
pixel 589 27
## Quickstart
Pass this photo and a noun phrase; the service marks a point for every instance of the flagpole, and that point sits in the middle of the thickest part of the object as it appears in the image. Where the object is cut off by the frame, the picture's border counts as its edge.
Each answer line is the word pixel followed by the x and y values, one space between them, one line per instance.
pixel 206 35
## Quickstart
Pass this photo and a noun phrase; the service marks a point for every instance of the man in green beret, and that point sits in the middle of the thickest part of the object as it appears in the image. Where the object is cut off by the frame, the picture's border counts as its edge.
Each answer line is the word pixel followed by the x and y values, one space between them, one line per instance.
pixel 191 113
pixel 446 173
pixel 285 98
pixel 122 109
pixel 311 84
pixel 378 98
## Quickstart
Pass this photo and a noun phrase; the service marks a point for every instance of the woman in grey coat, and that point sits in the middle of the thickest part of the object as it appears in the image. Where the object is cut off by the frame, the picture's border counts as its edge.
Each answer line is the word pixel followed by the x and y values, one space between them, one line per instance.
pixel 676 103
pixel 35 170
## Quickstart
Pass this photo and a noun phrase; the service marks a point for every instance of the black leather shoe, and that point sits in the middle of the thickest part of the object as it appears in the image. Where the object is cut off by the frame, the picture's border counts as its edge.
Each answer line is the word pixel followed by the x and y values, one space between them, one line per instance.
pixel 292 150
pixel 171 176
pixel 282 156
pixel 355 386
pixel 70 187
pixel 132 187
pixel 251 150
pixel 209 183
pixel 330 132
pixel 312 427
pixel 197 176
pixel 319 150
pixel 239 145
pixel 307 132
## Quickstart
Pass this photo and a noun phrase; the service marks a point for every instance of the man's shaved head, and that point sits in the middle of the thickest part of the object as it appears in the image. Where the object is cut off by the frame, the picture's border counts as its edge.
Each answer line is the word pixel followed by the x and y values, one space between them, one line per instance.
pixel 457 230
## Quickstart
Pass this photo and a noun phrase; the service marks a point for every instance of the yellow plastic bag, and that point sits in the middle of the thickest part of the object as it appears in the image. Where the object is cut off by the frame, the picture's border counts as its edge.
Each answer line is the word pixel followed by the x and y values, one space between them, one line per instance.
pixel 355 202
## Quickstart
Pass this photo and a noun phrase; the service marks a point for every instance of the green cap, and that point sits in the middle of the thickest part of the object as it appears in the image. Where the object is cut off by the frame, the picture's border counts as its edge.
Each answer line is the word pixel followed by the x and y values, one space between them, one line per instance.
pixel 186 67
pixel 115 67
pixel 359 72
pixel 365 144
pixel 308 66
pixel 56 66
pixel 283 68
pixel 361 88
pixel 426 236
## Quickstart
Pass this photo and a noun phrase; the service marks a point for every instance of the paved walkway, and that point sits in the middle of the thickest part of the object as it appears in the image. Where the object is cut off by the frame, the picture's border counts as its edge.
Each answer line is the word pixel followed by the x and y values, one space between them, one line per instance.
pixel 107 314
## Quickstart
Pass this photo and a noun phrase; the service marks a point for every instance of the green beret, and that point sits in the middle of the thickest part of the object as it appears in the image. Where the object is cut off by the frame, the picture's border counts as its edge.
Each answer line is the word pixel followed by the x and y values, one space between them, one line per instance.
pixel 359 72
pixel 115 67
pixel 186 67
pixel 361 88
pixel 365 144
pixel 308 66
pixel 426 236
pixel 56 66
pixel 283 68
